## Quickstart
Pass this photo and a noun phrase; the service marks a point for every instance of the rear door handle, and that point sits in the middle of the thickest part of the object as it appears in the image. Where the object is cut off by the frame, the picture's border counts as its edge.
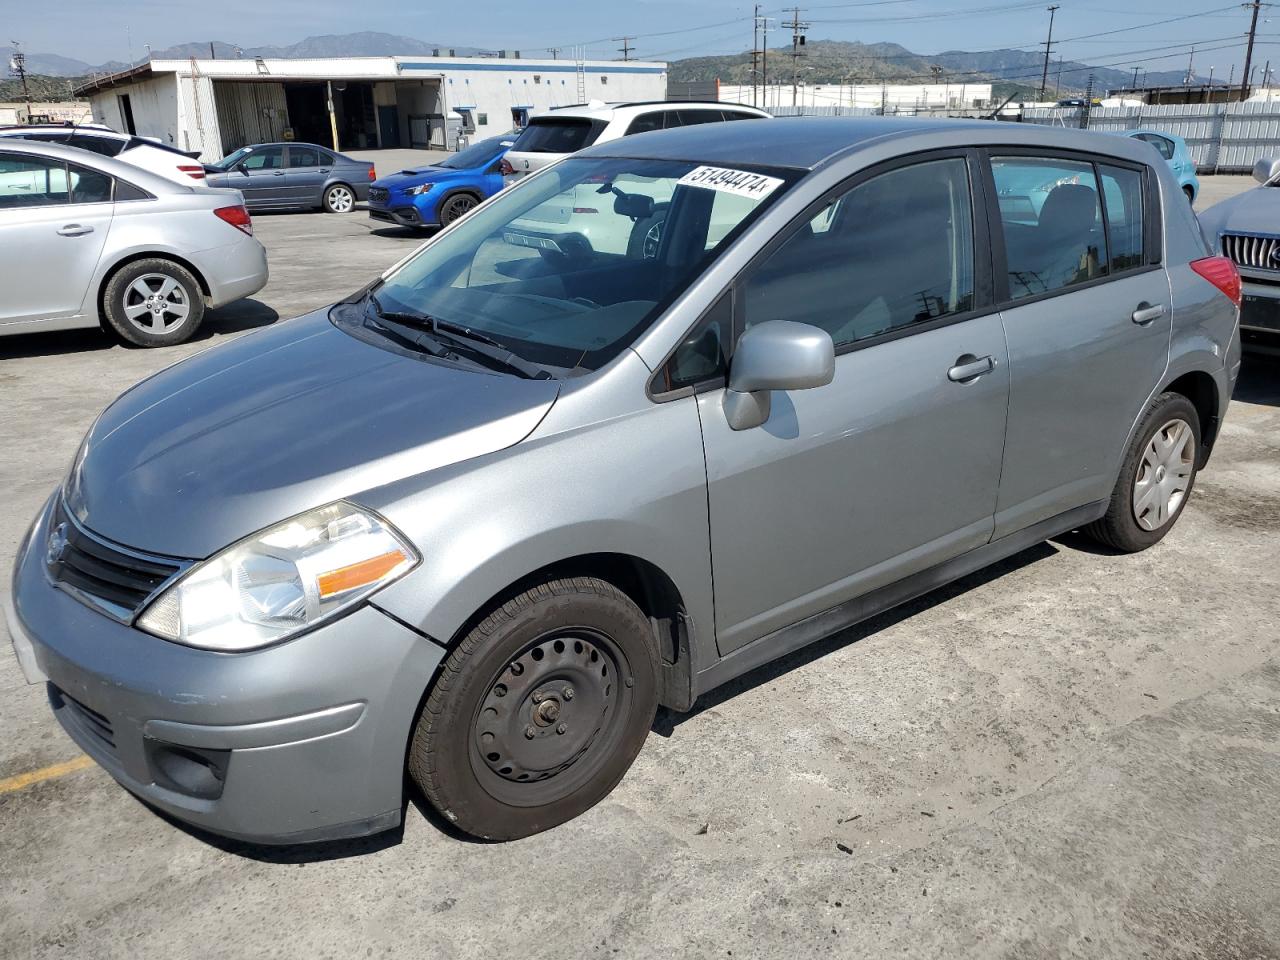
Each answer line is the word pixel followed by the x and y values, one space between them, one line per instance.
pixel 969 368
pixel 74 230
pixel 324 170
pixel 1146 313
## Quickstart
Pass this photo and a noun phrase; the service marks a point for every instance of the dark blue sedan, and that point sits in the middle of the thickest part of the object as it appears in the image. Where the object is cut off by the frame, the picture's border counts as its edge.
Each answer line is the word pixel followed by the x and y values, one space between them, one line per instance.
pixel 439 194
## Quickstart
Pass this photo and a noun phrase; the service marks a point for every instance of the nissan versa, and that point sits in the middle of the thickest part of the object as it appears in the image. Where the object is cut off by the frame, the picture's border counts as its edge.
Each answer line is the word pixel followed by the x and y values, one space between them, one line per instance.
pixel 478 520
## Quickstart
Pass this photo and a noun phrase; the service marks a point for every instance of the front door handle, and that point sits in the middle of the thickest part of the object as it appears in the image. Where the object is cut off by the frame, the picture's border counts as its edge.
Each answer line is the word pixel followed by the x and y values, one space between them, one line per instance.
pixel 278 173
pixel 1146 313
pixel 74 230
pixel 969 368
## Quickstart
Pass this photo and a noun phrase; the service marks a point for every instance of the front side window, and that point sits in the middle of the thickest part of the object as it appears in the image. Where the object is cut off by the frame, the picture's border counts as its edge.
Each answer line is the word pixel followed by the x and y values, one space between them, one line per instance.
pixel 270 158
pixel 31 182
pixel 568 268
pixel 1052 223
pixel 477 153
pixel 894 251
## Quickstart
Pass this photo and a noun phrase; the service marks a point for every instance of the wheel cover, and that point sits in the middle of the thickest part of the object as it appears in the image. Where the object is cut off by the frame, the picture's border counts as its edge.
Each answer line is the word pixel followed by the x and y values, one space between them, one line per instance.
pixel 156 303
pixel 551 717
pixel 1164 475
pixel 340 199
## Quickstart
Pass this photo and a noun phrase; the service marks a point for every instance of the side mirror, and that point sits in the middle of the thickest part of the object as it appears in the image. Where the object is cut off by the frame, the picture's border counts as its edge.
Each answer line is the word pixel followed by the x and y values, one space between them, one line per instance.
pixel 776 355
pixel 242 168
pixel 1266 169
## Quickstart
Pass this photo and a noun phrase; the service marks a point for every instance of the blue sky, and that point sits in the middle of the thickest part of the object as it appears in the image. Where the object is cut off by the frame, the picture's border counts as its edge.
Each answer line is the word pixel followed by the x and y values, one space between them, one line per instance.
pixel 95 30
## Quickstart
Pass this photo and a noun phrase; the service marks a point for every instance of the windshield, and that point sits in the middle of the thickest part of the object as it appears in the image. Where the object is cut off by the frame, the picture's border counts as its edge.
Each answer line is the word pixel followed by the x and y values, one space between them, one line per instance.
pixel 478 153
pixel 229 161
pixel 567 269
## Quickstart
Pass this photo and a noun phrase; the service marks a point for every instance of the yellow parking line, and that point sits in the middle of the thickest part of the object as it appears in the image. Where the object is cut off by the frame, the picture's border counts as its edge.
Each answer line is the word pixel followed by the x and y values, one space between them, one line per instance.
pixel 23 780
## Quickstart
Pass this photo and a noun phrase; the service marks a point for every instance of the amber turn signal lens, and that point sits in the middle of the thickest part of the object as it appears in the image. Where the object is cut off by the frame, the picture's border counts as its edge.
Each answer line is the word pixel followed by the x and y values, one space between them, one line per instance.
pixel 358 574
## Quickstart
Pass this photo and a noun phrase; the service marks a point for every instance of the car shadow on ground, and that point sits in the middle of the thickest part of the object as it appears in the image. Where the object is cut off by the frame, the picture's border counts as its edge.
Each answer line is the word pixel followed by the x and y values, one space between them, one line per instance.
pixel 405 233
pixel 235 317
pixel 1259 379
pixel 667 720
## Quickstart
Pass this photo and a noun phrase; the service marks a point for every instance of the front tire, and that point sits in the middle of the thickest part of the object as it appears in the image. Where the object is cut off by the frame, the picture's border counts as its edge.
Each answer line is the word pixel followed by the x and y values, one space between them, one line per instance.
pixel 1156 480
pixel 154 303
pixel 339 198
pixel 456 206
pixel 539 711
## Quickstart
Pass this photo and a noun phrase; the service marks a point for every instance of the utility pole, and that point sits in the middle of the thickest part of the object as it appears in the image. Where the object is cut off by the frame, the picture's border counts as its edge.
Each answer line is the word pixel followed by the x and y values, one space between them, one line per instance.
pixel 755 56
pixel 1088 105
pixel 1134 86
pixel 626 47
pixel 1048 46
pixel 1248 52
pixel 554 51
pixel 1191 59
pixel 764 60
pixel 18 64
pixel 797 41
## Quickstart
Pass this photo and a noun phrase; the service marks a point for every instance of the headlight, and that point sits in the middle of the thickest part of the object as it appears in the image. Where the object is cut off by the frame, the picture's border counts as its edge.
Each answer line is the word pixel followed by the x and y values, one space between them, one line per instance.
pixel 285 579
pixel 419 190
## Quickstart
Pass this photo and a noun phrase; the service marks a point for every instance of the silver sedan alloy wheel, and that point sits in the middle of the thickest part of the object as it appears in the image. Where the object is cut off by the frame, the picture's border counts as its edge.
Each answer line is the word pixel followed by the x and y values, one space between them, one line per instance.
pixel 156 303
pixel 1164 476
pixel 341 199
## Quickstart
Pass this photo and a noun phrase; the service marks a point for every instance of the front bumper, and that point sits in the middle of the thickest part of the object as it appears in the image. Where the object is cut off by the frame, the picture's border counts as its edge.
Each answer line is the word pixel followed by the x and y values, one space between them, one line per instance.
pixel 298 742
pixel 402 215
pixel 1260 307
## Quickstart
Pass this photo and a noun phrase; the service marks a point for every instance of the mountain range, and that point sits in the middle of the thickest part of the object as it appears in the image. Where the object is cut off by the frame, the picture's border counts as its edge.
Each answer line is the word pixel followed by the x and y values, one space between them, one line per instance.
pixel 824 61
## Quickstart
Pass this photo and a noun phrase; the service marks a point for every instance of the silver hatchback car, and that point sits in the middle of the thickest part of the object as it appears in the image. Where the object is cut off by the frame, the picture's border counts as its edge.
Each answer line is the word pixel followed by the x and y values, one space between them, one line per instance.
pixel 481 518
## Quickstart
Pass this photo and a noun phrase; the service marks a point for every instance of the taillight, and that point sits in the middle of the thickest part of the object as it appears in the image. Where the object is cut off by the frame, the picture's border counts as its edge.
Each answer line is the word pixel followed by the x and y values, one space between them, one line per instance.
pixel 505 168
pixel 1222 273
pixel 373 174
pixel 237 216
pixel 194 172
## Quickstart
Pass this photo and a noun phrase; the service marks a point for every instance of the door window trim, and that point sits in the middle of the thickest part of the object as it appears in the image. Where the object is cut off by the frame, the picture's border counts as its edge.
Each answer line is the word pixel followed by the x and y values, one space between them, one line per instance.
pixel 1152 227
pixel 983 266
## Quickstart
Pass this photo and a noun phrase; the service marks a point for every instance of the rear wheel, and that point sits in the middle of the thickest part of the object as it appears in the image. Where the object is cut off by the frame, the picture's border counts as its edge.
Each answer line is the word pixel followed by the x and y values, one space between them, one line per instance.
pixel 1157 477
pixel 539 711
pixel 154 303
pixel 456 206
pixel 339 198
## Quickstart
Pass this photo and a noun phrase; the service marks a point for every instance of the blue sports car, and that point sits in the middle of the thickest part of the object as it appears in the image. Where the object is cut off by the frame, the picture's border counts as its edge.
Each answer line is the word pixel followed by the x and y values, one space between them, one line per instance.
pixel 441 193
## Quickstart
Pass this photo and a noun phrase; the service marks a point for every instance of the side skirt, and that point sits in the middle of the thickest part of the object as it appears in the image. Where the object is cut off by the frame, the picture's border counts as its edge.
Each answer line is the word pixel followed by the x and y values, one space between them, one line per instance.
pixel 820 625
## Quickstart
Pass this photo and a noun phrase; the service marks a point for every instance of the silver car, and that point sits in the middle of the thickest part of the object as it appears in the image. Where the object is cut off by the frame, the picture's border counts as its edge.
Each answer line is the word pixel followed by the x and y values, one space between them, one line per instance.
pixel 89 240
pixel 1246 228
pixel 483 517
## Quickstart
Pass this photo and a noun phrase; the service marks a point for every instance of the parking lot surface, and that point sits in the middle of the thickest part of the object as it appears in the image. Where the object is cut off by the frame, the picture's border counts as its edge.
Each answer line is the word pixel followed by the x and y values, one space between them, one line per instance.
pixel 1073 754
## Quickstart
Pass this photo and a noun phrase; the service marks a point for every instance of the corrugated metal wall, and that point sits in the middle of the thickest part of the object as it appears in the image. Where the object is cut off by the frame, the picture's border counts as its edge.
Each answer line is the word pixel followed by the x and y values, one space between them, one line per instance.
pixel 250 113
pixel 1222 137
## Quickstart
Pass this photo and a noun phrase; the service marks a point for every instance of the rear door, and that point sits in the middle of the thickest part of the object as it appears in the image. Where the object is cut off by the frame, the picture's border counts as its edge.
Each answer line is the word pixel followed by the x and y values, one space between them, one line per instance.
pixel 306 170
pixel 53 225
pixel 1086 308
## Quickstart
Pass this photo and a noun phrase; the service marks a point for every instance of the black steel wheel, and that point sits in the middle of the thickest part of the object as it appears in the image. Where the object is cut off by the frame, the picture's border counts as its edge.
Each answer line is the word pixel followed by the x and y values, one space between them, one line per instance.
pixel 539 711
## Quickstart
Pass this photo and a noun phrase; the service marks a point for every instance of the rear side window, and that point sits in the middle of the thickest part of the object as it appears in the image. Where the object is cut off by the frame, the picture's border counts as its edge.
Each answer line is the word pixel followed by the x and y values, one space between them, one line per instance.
pixel 894 251
pixel 688 117
pixel 645 123
pixel 1052 223
pixel 735 115
pixel 89 186
pixel 557 135
pixel 303 157
pixel 1122 194
pixel 1162 144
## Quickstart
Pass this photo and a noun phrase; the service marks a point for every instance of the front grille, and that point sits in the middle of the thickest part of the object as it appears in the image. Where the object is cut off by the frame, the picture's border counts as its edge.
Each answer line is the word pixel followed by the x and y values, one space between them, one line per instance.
pixel 1248 250
pixel 379 194
pixel 110 578
pixel 88 720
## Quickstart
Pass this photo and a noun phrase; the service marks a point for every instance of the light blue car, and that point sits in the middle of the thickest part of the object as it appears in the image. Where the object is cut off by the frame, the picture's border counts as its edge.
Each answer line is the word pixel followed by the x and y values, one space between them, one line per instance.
pixel 1174 150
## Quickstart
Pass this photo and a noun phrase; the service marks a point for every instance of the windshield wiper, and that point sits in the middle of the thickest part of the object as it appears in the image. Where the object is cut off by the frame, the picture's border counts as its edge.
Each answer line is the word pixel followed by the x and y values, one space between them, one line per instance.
pixel 413 336
pixel 467 339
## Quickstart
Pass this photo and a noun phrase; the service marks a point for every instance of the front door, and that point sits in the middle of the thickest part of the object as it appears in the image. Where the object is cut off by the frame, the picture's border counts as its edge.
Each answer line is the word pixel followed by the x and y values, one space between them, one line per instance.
pixel 53 225
pixel 263 181
pixel 893 466
pixel 1087 311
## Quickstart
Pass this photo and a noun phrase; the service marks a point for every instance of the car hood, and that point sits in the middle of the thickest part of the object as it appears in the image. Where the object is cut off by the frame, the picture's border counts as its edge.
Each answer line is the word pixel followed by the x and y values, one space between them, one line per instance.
pixel 242 436
pixel 411 178
pixel 1254 211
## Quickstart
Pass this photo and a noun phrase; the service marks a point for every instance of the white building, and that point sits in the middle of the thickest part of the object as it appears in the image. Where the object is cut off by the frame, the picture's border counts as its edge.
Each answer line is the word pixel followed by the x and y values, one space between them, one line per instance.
pixel 903 98
pixel 217 106
pixel 64 111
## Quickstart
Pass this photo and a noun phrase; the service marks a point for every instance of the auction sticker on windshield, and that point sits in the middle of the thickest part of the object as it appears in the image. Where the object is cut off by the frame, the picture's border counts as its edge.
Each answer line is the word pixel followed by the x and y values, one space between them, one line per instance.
pixel 741 183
